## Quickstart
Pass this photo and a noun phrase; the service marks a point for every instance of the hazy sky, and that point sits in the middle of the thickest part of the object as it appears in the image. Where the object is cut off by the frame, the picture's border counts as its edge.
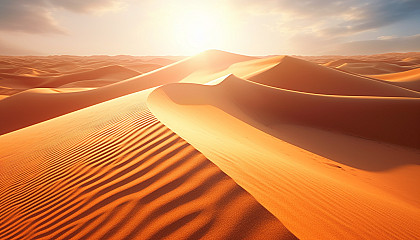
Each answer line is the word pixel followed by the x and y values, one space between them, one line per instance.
pixel 185 27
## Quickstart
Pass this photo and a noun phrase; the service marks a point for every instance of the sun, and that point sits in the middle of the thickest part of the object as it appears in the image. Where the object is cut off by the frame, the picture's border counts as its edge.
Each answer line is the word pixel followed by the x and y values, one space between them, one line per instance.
pixel 197 31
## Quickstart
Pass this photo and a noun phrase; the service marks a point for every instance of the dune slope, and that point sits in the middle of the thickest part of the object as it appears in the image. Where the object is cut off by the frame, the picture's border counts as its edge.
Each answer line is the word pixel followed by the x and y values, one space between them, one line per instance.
pixel 17 108
pixel 215 146
pixel 114 72
pixel 114 171
pixel 296 74
pixel 239 124
pixel 407 79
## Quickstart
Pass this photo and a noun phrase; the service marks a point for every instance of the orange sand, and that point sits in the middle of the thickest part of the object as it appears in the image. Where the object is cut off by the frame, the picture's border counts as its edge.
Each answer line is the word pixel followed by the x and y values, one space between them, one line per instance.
pixel 213 146
pixel 95 175
pixel 239 125
pixel 407 79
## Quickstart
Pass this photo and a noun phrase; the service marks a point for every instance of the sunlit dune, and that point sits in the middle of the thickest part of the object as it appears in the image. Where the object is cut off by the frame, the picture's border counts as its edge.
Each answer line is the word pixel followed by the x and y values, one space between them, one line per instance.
pixel 213 146
pixel 42 105
pixel 408 79
pixel 291 182
pixel 125 175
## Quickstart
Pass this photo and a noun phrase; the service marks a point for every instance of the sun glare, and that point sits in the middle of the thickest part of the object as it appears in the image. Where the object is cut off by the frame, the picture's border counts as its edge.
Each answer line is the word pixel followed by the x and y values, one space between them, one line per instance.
pixel 196 31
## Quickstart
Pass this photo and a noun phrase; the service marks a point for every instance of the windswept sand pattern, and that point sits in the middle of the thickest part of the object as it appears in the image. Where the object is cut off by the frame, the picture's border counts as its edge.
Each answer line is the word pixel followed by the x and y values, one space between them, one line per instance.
pixel 313 196
pixel 215 146
pixel 129 179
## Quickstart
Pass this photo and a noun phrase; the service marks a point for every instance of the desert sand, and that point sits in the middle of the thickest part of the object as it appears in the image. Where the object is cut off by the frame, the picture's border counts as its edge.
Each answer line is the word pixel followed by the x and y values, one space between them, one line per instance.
pixel 213 146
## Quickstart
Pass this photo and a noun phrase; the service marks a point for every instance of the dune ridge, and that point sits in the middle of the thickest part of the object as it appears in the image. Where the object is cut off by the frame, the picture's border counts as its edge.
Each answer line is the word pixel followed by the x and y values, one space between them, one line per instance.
pixel 122 176
pixel 369 67
pixel 289 181
pixel 48 105
pixel 113 72
pixel 299 75
pixel 201 68
pixel 214 146
pixel 408 79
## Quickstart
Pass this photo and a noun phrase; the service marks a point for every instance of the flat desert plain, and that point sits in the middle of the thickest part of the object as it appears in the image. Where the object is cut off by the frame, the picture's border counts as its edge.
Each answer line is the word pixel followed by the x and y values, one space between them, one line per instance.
pixel 212 146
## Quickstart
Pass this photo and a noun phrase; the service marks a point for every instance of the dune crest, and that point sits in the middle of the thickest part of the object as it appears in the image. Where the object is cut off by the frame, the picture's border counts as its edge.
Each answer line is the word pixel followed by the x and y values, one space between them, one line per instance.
pixel 213 146
pixel 299 75
pixel 408 79
pixel 95 175
pixel 290 182
pixel 53 105
pixel 114 73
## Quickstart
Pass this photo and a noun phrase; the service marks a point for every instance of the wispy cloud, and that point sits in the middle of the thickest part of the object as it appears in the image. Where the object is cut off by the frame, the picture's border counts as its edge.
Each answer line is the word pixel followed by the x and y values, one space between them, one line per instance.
pixel 315 26
pixel 35 16
pixel 369 15
pixel 382 45
pixel 287 26
pixel 88 6
pixel 335 17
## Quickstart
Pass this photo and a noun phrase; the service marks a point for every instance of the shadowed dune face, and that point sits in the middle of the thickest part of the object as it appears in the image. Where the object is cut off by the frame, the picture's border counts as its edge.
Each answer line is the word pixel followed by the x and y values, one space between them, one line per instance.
pixel 386 120
pixel 244 128
pixel 402 71
pixel 103 79
pixel 299 75
pixel 114 171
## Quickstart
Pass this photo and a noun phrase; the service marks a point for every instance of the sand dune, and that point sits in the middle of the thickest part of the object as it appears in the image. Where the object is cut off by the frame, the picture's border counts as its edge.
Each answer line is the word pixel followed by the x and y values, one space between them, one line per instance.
pixel 32 107
pixel 214 146
pixel 393 120
pixel 295 74
pixel 407 79
pixel 144 67
pixel 24 70
pixel 95 175
pixel 239 124
pixel 369 67
pixel 339 62
pixel 115 73
pixel 412 60
pixel 6 91
pixel 17 81
pixel 372 68
pixel 23 73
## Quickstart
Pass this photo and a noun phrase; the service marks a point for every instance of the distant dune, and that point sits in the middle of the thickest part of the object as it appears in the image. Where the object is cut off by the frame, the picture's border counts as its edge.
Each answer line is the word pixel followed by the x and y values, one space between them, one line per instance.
pixel 409 79
pixel 214 146
pixel 30 107
pixel 115 73
pixel 295 74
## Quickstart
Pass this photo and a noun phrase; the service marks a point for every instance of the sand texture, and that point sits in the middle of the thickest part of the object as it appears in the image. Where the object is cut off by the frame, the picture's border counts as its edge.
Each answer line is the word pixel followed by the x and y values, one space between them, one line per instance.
pixel 212 146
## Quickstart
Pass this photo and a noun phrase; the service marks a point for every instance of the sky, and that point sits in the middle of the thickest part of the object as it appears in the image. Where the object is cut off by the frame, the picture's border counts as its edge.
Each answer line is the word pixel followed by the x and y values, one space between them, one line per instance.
pixel 186 27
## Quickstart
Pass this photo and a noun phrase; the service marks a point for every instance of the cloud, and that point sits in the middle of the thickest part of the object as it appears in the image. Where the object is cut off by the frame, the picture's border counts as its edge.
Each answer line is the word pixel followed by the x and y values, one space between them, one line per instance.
pixel 394 44
pixel 374 14
pixel 87 6
pixel 35 16
pixel 336 17
pixel 307 44
pixel 27 16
